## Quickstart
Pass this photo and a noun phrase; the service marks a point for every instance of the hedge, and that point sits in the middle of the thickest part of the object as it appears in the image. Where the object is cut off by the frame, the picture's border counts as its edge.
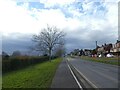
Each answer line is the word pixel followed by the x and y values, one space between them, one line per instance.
pixel 14 63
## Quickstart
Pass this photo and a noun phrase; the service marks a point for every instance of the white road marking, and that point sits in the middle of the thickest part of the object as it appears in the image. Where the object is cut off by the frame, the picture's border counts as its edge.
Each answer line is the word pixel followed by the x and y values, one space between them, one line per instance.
pixel 85 77
pixel 74 77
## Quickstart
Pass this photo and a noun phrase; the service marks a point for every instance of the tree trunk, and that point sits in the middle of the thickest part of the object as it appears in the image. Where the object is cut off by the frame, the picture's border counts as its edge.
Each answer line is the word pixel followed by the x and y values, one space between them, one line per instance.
pixel 50 55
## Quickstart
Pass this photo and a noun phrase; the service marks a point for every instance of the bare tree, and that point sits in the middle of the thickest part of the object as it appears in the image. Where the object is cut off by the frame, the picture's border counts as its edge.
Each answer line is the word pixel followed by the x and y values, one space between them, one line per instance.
pixel 48 39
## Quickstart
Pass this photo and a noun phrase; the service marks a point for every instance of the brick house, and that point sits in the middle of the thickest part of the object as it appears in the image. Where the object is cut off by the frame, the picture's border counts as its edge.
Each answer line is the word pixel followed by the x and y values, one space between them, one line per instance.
pixel 104 49
pixel 116 48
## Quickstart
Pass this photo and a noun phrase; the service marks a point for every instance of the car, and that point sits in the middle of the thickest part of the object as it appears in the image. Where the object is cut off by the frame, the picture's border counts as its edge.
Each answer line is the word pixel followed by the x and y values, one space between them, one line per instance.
pixel 100 55
pixel 109 55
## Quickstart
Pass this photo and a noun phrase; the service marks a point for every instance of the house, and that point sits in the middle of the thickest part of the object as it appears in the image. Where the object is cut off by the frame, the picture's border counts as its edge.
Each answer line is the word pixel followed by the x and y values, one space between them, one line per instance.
pixel 116 48
pixel 104 49
pixel 107 48
pixel 100 50
pixel 81 52
pixel 87 52
pixel 77 52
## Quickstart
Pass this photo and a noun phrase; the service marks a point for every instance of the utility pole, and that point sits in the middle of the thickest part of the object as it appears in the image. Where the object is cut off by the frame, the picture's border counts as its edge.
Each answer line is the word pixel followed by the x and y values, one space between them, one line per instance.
pixel 96 44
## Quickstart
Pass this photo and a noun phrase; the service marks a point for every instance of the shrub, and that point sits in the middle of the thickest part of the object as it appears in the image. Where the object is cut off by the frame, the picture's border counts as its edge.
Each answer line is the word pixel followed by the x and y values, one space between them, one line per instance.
pixel 14 63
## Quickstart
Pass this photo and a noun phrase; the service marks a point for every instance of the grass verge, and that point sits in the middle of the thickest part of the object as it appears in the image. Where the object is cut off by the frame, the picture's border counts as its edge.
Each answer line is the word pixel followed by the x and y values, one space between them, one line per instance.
pixel 35 76
pixel 113 61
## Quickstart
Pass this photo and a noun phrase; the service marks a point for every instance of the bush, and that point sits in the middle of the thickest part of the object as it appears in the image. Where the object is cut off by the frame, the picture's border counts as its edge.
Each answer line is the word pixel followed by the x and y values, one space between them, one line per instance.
pixel 14 63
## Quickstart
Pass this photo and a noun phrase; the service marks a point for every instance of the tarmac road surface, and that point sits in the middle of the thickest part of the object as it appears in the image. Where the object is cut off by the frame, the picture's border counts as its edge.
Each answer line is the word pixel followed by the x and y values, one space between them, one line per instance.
pixel 101 75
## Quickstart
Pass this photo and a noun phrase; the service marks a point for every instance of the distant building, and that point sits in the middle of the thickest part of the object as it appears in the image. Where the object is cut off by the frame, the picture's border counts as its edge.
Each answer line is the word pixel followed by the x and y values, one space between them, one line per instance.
pixel 104 49
pixel 82 52
pixel 116 48
pixel 100 50
pixel 109 48
pixel 75 52
pixel 87 52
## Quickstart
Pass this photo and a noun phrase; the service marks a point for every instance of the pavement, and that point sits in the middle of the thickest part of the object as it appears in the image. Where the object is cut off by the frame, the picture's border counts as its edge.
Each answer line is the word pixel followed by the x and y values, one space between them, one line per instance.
pixel 63 77
pixel 101 75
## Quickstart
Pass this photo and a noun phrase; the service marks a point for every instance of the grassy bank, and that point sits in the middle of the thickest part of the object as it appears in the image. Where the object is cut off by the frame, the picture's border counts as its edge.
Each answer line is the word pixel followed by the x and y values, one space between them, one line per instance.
pixel 113 61
pixel 35 76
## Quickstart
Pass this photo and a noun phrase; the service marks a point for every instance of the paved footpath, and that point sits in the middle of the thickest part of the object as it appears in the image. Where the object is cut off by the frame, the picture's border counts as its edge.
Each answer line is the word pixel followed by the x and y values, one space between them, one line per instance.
pixel 63 77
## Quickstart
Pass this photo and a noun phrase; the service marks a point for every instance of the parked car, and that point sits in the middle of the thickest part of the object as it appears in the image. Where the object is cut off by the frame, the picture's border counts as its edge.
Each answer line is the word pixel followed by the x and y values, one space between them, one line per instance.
pixel 100 55
pixel 109 55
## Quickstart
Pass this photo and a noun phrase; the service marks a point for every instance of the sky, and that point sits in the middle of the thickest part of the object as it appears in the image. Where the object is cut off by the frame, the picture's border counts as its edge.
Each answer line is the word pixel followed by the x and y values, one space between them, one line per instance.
pixel 83 21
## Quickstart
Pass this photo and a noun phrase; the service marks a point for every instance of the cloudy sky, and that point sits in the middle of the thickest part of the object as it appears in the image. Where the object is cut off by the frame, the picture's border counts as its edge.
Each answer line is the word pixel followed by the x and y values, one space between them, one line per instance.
pixel 83 21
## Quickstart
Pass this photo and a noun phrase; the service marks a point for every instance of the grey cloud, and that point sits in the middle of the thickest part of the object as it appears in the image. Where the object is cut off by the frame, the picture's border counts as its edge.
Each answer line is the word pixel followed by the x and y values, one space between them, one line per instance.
pixel 74 43
pixel 11 44
pixel 79 38
pixel 86 38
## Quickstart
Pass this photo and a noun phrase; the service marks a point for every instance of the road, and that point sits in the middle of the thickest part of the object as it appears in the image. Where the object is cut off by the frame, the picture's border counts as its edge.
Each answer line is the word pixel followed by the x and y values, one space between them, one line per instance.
pixel 63 77
pixel 99 74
